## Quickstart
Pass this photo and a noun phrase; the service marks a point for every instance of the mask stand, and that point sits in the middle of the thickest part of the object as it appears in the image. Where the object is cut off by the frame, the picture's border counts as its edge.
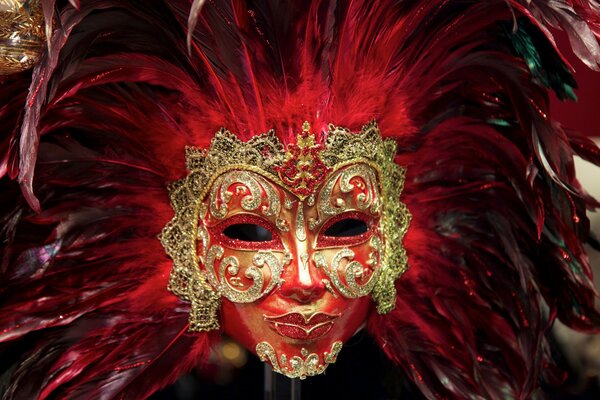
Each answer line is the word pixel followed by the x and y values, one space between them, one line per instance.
pixel 280 387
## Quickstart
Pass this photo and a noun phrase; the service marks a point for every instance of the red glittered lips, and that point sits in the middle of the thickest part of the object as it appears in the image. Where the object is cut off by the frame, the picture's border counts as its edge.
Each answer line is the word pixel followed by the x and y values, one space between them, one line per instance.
pixel 302 326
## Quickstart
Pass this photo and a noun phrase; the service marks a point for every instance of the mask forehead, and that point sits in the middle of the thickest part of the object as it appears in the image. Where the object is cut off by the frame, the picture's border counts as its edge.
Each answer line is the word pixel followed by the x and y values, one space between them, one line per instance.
pixel 351 187
pixel 244 191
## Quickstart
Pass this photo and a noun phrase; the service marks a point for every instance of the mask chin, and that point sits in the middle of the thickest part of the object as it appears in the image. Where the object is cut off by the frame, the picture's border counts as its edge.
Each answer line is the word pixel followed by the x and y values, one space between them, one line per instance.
pixel 299 341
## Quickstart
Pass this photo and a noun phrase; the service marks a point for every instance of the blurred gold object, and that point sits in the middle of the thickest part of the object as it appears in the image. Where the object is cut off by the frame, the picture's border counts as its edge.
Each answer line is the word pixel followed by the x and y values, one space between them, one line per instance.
pixel 234 354
pixel 21 35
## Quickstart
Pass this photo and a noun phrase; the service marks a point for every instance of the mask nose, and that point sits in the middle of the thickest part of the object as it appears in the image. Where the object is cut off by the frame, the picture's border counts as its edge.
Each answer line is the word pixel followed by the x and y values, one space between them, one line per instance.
pixel 302 281
pixel 303 284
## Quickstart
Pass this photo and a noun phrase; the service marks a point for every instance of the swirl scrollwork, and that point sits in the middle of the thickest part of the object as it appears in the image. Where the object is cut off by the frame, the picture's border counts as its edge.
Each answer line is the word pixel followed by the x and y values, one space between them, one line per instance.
pixel 252 184
pixel 274 202
pixel 228 283
pixel 308 364
pixel 203 239
pixel 353 272
pixel 366 199
pixel 220 196
pixel 369 193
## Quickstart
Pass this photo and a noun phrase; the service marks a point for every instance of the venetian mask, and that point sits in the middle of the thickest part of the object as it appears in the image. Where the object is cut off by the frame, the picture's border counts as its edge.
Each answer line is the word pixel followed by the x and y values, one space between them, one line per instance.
pixel 286 249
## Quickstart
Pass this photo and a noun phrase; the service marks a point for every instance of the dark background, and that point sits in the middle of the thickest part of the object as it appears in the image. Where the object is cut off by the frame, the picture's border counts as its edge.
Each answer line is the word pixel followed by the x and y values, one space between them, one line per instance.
pixel 584 115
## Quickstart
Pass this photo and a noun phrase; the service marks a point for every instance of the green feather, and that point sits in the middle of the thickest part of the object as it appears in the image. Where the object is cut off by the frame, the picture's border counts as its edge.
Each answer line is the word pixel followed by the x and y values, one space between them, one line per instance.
pixel 546 67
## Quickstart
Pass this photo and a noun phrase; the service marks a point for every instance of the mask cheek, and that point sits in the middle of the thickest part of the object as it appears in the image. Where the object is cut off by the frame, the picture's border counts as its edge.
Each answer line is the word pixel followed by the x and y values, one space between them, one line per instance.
pixel 244 276
pixel 352 271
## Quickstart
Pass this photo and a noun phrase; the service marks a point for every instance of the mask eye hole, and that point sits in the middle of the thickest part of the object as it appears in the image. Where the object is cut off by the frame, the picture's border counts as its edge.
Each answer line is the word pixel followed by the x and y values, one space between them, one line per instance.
pixel 248 233
pixel 347 227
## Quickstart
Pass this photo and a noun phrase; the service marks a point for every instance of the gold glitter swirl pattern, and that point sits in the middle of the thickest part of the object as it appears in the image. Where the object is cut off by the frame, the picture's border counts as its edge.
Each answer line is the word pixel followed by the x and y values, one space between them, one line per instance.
pixel 21 35
pixel 298 367
pixel 231 287
pixel 367 199
pixel 353 271
pixel 220 194
pixel 346 154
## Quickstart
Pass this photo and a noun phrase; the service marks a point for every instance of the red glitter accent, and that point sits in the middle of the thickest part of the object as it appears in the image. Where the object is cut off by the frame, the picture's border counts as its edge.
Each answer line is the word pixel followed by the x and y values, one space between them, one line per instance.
pixel 538 109
pixel 416 372
pixel 303 170
pixel 339 241
pixel 297 326
pixel 273 244
pixel 574 208
pixel 524 320
pixel 37 88
pixel 130 366
pixel 12 328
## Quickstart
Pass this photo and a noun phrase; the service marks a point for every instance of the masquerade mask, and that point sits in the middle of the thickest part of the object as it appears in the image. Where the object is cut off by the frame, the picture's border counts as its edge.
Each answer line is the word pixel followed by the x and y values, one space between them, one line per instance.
pixel 289 243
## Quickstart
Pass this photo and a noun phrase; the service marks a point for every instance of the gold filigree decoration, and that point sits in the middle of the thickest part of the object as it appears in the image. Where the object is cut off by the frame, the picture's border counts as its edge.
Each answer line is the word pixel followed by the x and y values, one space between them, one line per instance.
pixel 353 270
pixel 264 155
pixel 21 35
pixel 298 367
pixel 230 287
pixel 251 185
pixel 368 200
pixel 303 170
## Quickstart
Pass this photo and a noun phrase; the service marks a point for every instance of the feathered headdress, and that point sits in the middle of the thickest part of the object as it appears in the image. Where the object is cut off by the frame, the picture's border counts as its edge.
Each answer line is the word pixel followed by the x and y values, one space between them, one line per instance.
pixel 91 138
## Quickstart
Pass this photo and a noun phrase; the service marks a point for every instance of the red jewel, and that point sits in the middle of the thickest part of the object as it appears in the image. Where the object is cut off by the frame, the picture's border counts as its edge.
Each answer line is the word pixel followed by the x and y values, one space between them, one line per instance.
pixel 303 169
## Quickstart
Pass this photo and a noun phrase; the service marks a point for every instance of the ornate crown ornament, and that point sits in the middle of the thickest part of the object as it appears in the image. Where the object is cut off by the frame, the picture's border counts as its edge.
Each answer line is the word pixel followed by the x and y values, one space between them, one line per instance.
pixel 303 170
pixel 300 168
